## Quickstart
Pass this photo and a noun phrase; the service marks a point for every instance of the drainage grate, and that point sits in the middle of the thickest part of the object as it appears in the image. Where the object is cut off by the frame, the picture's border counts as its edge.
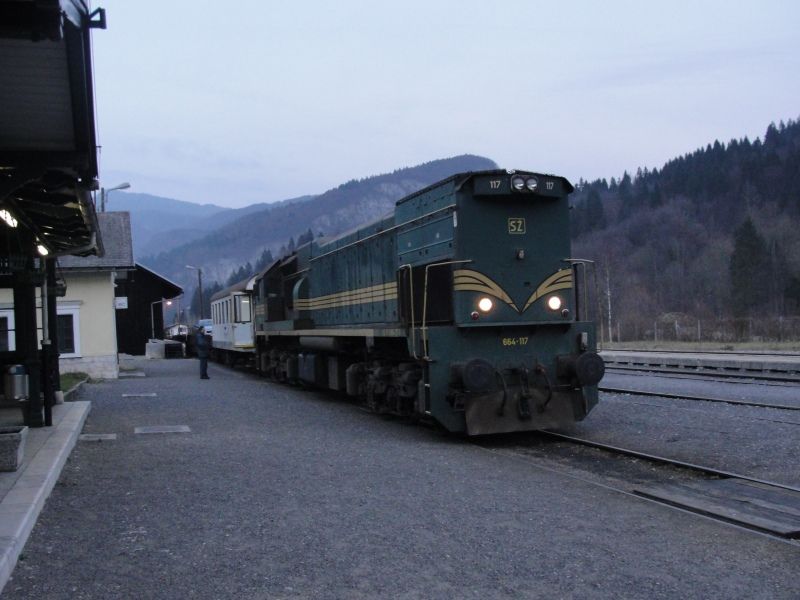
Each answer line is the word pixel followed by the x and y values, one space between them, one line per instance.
pixel 125 374
pixel 163 429
pixel 97 437
pixel 143 395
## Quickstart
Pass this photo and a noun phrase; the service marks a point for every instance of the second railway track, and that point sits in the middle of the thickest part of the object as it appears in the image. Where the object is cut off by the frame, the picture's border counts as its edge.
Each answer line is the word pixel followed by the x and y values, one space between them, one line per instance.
pixel 707 372
pixel 617 390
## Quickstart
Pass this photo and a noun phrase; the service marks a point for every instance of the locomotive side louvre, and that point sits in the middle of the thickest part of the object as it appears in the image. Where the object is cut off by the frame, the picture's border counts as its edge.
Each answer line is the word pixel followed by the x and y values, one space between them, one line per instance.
pixel 446 308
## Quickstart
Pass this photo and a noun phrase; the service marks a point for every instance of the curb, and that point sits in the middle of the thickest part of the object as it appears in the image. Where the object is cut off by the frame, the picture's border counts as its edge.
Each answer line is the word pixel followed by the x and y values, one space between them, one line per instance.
pixel 75 388
pixel 23 503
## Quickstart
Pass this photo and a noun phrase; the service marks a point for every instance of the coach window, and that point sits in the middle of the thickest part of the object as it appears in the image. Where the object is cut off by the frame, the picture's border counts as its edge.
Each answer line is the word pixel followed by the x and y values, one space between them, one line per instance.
pixel 242 309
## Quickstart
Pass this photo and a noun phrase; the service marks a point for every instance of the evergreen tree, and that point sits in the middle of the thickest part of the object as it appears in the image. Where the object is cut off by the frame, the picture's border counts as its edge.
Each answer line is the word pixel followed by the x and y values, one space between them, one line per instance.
pixel 654 199
pixel 306 237
pixel 264 260
pixel 595 214
pixel 749 270
pixel 625 195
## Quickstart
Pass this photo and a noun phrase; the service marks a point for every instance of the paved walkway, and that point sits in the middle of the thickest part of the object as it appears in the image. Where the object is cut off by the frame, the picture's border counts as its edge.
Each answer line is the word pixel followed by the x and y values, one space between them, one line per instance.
pixel 23 492
pixel 279 493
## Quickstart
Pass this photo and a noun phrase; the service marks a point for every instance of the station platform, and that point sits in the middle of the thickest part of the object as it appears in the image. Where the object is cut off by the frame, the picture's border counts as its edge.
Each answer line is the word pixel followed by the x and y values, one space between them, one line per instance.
pixel 756 364
pixel 23 492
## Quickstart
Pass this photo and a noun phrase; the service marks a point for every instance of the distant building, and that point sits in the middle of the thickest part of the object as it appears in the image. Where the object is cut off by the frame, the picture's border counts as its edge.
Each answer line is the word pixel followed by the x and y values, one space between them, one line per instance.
pixel 87 326
pixel 140 300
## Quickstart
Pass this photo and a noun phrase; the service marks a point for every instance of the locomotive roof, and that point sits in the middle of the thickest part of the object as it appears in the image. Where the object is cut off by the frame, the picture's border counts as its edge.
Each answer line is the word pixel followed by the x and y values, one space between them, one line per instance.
pixel 462 178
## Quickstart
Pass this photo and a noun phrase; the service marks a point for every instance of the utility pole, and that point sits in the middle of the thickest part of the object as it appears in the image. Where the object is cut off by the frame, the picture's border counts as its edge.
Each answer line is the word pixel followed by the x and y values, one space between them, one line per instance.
pixel 608 298
pixel 199 287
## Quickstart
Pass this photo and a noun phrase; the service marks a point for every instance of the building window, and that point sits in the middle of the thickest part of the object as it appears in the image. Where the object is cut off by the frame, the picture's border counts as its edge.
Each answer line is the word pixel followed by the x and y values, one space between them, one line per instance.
pixel 7 340
pixel 69 329
pixel 66 335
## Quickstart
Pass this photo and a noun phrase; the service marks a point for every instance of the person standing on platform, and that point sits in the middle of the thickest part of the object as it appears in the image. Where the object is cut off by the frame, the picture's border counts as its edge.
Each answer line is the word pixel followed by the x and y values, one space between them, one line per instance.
pixel 201 347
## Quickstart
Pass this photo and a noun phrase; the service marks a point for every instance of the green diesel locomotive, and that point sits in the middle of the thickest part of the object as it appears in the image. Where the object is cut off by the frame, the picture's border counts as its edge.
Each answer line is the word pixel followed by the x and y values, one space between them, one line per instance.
pixel 463 306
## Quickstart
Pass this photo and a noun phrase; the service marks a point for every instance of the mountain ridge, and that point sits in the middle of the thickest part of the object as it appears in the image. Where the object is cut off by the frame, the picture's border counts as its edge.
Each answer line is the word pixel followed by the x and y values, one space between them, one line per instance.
pixel 350 204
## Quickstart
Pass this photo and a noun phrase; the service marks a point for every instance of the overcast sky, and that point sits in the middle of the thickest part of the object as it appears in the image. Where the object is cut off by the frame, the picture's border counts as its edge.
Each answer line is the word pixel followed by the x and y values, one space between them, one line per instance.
pixel 256 101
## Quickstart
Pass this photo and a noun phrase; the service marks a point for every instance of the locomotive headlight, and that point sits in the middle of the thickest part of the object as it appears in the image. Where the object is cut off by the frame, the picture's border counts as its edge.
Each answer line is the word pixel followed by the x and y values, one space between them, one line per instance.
pixel 485 304
pixel 554 303
pixel 517 183
pixel 531 183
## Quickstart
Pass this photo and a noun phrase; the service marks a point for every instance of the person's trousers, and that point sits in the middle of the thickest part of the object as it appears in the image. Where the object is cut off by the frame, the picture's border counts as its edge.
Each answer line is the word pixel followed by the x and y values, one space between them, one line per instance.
pixel 203 367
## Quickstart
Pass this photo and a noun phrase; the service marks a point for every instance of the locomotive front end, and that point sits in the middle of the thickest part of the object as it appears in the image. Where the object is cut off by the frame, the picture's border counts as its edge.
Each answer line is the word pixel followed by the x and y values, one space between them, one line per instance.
pixel 521 351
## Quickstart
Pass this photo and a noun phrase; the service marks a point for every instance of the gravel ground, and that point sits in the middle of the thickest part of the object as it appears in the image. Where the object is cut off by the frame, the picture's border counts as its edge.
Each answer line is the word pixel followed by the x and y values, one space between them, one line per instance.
pixel 751 441
pixel 783 393
pixel 279 493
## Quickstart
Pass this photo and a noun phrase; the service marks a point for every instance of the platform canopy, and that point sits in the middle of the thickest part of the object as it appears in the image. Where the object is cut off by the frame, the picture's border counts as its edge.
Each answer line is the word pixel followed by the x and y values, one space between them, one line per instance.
pixel 48 149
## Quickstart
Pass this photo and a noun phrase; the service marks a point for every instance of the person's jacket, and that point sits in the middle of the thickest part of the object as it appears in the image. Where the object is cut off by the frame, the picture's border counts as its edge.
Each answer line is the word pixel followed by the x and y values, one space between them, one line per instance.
pixel 201 345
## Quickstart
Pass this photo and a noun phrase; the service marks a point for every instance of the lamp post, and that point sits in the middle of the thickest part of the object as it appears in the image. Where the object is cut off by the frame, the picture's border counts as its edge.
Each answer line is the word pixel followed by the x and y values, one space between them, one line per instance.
pixel 105 192
pixel 199 286
pixel 153 315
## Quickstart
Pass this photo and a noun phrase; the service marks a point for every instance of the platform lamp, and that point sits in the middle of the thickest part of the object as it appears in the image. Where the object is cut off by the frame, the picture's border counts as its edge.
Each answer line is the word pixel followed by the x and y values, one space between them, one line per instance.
pixel 199 286
pixel 105 192
pixel 153 315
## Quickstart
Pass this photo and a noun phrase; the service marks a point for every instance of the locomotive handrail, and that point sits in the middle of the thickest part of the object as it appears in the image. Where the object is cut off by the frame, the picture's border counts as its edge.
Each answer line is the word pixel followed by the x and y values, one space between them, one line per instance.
pixel 584 262
pixel 411 302
pixel 424 328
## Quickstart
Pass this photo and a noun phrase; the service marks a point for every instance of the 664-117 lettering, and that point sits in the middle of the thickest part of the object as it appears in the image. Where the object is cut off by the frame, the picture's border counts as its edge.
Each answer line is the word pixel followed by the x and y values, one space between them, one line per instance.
pixel 515 341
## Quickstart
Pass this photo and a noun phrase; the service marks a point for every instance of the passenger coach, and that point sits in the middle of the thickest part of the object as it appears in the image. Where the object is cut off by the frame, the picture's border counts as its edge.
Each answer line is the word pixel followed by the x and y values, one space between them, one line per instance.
pixel 232 317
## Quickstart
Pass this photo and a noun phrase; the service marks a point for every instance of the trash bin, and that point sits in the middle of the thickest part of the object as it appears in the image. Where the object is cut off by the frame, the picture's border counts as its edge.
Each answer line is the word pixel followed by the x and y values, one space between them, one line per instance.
pixel 16 383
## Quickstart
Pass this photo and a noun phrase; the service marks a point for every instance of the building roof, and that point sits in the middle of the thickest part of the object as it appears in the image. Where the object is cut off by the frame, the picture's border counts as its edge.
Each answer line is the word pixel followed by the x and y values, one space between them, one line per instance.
pixel 115 230
pixel 48 155
pixel 169 289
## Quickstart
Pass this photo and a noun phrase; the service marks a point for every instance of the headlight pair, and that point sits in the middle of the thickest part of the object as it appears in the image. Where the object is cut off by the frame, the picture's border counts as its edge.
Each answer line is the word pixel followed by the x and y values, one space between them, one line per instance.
pixel 520 183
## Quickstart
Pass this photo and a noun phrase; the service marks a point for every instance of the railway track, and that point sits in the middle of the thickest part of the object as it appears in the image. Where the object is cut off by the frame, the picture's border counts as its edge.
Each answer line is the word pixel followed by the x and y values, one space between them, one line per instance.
pixel 721 352
pixel 663 460
pixel 749 503
pixel 613 390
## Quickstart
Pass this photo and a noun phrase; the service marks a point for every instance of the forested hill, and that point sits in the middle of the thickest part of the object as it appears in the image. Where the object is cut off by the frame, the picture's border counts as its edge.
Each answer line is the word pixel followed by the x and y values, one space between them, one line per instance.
pixel 713 234
pixel 227 248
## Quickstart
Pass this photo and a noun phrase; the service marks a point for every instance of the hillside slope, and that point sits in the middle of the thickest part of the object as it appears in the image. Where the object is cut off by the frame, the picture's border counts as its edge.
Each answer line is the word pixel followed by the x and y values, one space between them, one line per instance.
pixel 349 205
pixel 712 236
pixel 153 215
